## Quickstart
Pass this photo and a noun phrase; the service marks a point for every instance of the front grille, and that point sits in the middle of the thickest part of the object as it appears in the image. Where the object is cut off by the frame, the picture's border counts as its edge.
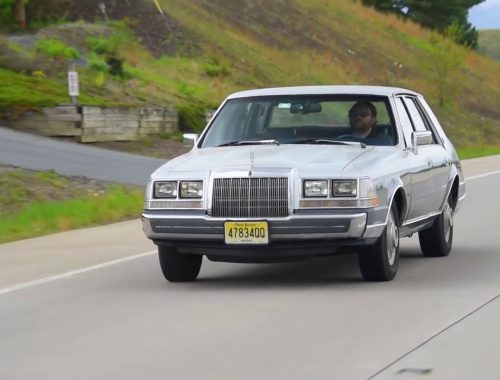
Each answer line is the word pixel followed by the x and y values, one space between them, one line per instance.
pixel 250 197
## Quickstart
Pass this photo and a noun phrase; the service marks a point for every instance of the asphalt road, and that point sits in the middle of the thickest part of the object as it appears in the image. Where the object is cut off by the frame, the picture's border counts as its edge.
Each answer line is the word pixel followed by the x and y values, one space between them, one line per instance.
pixel 439 319
pixel 40 153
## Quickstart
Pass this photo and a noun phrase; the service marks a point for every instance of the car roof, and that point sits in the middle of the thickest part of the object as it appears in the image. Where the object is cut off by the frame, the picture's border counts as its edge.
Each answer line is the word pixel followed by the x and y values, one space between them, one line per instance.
pixel 324 90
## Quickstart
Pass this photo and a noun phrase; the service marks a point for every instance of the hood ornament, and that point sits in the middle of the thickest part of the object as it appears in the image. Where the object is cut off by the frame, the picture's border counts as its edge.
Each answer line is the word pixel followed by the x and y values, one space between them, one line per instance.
pixel 252 159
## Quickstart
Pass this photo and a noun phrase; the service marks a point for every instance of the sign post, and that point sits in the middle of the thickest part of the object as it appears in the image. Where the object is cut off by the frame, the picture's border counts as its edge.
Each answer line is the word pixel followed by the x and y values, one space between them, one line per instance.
pixel 73 88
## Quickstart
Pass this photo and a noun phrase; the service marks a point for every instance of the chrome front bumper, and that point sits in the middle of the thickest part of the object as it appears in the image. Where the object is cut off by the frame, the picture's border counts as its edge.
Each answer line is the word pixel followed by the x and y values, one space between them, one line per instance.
pixel 172 227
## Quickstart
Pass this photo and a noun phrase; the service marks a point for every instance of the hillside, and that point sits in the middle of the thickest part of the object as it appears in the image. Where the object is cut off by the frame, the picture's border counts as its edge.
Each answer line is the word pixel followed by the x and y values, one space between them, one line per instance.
pixel 489 43
pixel 201 50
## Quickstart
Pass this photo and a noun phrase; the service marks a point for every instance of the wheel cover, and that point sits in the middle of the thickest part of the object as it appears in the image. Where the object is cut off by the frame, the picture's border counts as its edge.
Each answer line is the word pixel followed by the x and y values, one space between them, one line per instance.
pixel 392 239
pixel 447 221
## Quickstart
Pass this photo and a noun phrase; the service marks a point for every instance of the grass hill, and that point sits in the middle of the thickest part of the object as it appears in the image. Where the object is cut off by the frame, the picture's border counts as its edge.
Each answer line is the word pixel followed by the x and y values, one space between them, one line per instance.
pixel 201 50
pixel 489 43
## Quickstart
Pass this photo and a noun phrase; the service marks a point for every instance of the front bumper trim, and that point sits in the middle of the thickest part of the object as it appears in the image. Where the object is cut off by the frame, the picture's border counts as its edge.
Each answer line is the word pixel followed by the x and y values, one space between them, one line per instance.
pixel 294 227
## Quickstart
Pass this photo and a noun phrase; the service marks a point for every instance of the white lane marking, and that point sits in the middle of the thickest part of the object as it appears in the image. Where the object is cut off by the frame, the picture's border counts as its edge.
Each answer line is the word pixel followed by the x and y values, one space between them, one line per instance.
pixel 72 273
pixel 482 175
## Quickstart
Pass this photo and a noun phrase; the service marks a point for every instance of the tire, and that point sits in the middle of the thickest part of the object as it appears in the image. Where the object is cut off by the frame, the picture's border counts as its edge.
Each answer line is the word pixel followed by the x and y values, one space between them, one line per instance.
pixel 380 261
pixel 436 241
pixel 178 267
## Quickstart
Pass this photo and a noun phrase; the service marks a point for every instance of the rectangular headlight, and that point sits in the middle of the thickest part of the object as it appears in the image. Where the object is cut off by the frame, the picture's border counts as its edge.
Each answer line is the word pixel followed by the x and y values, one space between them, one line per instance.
pixel 191 189
pixel 316 188
pixel 167 189
pixel 345 188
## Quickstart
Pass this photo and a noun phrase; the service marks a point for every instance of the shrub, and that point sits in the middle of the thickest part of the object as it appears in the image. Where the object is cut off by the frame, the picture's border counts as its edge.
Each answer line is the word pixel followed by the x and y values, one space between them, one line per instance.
pixel 110 47
pixel 100 80
pixel 191 116
pixel 115 66
pixel 38 74
pixel 214 68
pixel 97 63
pixel 56 49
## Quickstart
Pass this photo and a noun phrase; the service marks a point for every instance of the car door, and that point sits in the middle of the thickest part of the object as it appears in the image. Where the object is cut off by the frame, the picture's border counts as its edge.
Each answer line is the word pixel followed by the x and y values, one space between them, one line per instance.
pixel 418 167
pixel 434 152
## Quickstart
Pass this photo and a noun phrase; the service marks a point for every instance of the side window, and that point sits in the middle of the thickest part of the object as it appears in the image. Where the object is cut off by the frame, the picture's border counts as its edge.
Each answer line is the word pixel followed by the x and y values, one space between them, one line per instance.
pixel 428 118
pixel 405 121
pixel 418 122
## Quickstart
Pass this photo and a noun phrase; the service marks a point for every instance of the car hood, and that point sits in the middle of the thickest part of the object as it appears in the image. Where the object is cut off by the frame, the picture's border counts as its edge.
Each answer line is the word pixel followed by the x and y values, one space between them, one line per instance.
pixel 313 160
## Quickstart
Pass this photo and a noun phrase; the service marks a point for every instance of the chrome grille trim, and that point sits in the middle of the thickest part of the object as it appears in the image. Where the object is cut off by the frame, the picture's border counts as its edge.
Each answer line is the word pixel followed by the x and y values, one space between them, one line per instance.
pixel 250 197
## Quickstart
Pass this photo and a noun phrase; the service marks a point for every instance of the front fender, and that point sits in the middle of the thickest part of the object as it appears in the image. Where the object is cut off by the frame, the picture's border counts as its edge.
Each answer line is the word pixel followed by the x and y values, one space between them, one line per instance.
pixel 387 189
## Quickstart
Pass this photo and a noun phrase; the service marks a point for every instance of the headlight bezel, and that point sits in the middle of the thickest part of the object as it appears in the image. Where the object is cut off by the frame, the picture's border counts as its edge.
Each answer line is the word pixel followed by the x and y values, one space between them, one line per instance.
pixel 184 186
pixel 179 189
pixel 174 189
pixel 315 184
pixel 360 193
pixel 351 192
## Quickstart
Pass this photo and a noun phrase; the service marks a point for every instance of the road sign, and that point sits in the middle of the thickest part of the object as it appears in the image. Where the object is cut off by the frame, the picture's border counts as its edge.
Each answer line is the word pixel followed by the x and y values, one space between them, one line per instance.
pixel 73 88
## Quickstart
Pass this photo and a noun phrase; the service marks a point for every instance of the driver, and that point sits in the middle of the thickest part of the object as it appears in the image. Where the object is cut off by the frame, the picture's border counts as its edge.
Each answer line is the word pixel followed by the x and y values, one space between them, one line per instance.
pixel 363 118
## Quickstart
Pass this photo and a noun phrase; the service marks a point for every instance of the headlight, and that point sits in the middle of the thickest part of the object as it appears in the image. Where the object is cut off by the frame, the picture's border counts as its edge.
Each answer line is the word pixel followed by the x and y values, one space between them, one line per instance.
pixel 191 189
pixel 345 188
pixel 165 189
pixel 317 188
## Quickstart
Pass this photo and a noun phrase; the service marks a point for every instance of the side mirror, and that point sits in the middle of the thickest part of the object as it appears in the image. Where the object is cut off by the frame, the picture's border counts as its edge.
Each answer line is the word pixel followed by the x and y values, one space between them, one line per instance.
pixel 421 138
pixel 190 139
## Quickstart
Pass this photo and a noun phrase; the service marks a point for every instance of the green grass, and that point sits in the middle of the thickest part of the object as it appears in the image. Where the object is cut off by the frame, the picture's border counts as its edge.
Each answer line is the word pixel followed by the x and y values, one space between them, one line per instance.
pixel 476 151
pixel 45 217
pixel 26 91
pixel 23 90
pixel 34 203
pixel 56 49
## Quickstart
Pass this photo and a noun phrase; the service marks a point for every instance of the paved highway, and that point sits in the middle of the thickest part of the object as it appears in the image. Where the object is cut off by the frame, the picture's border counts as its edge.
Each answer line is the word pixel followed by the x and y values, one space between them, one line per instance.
pixel 40 153
pixel 439 319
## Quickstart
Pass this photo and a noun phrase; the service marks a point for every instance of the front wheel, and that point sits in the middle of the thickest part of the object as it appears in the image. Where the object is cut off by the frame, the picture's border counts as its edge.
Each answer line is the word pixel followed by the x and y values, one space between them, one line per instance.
pixel 380 261
pixel 436 240
pixel 178 267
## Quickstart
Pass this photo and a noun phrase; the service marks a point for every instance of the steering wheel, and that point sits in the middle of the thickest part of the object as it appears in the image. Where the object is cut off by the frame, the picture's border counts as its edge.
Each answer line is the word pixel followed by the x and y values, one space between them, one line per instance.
pixel 350 138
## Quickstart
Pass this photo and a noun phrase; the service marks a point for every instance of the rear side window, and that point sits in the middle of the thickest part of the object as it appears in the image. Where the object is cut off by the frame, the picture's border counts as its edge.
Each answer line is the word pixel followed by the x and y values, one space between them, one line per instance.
pixel 418 122
pixel 420 119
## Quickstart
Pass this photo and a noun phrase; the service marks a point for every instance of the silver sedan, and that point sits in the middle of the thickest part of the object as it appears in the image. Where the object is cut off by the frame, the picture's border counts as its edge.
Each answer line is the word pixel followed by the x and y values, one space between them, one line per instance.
pixel 286 173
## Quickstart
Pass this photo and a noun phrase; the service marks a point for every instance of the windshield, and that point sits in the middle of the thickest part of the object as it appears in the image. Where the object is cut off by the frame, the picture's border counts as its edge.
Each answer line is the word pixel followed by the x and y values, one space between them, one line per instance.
pixel 309 119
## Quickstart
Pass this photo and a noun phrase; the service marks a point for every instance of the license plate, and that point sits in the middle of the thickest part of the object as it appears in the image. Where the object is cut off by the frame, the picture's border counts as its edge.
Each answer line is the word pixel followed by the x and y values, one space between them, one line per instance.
pixel 246 233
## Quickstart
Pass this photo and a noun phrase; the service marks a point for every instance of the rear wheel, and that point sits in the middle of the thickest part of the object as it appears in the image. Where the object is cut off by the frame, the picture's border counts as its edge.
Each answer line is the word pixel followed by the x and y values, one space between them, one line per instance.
pixel 437 240
pixel 178 267
pixel 380 261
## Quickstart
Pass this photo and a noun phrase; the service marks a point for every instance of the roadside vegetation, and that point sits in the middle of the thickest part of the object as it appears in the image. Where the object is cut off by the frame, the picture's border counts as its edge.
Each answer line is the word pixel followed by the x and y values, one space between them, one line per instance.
pixel 35 203
pixel 489 43
pixel 474 152
pixel 181 58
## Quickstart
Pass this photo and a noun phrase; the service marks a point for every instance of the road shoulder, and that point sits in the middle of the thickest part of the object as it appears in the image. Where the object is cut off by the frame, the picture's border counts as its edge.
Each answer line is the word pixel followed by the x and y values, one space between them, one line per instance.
pixel 33 259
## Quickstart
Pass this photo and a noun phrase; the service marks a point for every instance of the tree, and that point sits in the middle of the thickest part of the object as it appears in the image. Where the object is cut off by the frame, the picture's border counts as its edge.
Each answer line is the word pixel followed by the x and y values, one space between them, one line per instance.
pixel 446 58
pixel 438 15
pixel 20 13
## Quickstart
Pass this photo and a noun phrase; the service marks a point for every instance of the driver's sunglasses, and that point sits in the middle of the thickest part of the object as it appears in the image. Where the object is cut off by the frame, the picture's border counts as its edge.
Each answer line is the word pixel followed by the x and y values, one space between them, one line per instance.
pixel 359 114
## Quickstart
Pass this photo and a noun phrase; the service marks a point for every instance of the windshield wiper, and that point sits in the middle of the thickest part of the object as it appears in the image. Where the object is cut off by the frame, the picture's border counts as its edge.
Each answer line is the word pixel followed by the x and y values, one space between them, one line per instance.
pixel 251 142
pixel 332 142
